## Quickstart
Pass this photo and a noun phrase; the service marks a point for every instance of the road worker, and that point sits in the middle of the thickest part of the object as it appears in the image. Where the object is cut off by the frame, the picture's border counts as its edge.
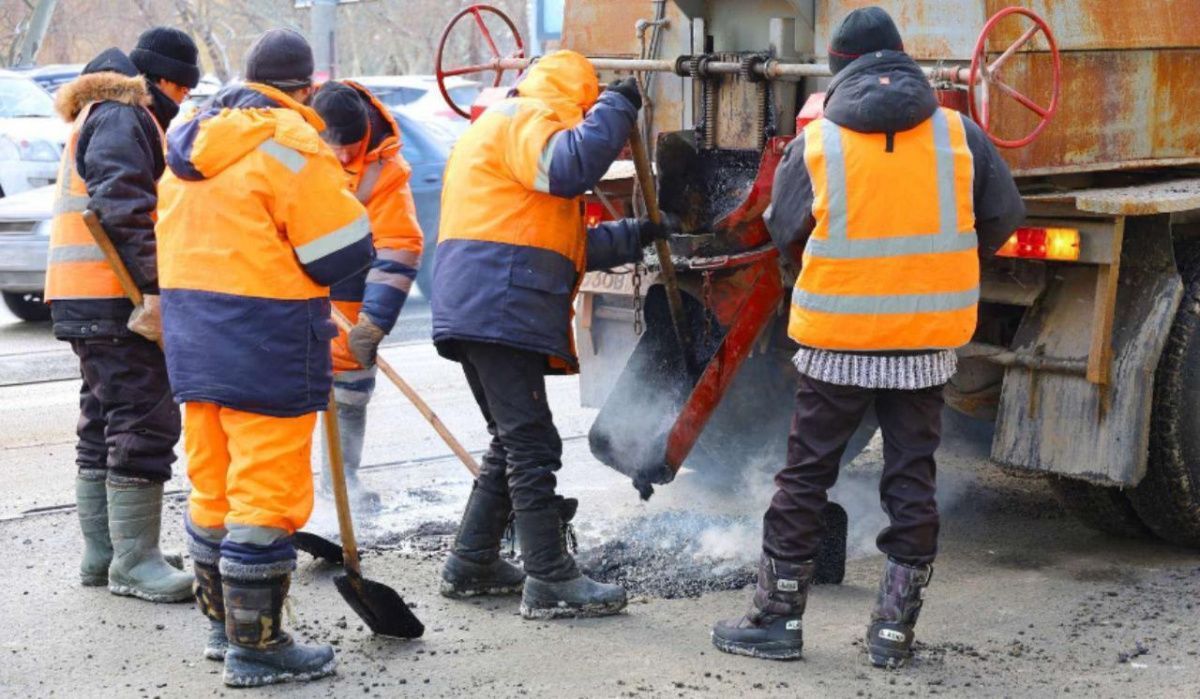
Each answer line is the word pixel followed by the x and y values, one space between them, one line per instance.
pixel 885 201
pixel 366 140
pixel 128 425
pixel 255 224
pixel 512 250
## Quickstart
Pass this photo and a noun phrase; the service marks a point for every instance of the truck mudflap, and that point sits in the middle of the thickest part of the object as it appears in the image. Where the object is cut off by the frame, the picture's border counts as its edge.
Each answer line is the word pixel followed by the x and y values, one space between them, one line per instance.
pixel 1051 417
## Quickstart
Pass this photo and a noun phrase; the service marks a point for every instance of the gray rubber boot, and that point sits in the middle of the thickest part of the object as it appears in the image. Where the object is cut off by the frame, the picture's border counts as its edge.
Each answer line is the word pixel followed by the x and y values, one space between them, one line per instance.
pixel 91 501
pixel 260 651
pixel 475 566
pixel 772 627
pixel 210 597
pixel 352 430
pixel 134 523
pixel 554 587
pixel 901 593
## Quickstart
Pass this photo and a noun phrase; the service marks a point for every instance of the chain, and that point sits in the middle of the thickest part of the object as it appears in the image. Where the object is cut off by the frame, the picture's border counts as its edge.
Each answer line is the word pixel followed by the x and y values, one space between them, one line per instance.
pixel 708 308
pixel 639 325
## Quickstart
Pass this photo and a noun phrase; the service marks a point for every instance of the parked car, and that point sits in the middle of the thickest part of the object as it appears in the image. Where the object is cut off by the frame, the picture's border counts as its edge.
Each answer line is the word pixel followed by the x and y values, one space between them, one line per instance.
pixel 419 95
pixel 31 135
pixel 24 247
pixel 426 150
pixel 54 76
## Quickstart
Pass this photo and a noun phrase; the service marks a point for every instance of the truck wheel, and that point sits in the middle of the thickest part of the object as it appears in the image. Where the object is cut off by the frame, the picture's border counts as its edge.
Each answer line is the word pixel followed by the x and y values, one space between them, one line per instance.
pixel 1101 508
pixel 1168 498
pixel 27 306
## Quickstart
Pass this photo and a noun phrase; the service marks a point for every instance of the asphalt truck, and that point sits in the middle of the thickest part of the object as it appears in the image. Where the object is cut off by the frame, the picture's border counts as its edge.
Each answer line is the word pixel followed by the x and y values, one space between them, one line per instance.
pixel 1086 363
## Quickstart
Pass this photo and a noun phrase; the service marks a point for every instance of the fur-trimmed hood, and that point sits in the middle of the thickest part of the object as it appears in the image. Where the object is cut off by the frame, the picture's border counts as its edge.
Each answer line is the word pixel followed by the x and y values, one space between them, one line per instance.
pixel 110 77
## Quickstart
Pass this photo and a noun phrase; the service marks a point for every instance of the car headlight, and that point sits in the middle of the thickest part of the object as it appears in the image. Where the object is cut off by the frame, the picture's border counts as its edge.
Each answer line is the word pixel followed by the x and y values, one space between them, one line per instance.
pixel 36 151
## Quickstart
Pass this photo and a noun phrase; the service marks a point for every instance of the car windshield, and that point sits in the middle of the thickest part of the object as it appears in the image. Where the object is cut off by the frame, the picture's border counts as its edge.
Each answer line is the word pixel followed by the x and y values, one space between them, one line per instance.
pixel 23 98
pixel 464 94
pixel 396 96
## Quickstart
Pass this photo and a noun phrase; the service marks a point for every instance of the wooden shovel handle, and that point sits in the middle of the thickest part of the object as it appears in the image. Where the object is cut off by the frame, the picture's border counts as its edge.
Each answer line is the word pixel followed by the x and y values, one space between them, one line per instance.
pixel 96 228
pixel 341 497
pixel 421 406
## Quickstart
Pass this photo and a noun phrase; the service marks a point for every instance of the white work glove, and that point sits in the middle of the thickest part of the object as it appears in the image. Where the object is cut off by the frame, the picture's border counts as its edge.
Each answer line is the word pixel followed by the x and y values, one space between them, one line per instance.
pixel 146 319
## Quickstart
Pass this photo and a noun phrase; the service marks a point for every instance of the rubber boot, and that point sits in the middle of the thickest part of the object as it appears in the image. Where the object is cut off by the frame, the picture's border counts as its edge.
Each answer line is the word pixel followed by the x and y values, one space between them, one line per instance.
pixel 352 429
pixel 901 593
pixel 772 627
pixel 91 501
pixel 554 587
pixel 134 522
pixel 260 651
pixel 475 566
pixel 210 598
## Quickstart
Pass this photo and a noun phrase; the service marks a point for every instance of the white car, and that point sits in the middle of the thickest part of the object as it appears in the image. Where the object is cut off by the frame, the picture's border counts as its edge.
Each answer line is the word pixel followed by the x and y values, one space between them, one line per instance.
pixel 24 247
pixel 419 96
pixel 31 135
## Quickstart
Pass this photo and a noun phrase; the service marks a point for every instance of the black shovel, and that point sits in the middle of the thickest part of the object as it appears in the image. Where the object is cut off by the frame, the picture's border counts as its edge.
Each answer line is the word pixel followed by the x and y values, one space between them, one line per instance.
pixel 378 605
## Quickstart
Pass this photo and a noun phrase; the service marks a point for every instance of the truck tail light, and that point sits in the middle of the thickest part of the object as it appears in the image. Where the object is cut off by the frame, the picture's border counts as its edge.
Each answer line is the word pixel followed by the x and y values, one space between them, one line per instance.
pixel 594 213
pixel 1032 243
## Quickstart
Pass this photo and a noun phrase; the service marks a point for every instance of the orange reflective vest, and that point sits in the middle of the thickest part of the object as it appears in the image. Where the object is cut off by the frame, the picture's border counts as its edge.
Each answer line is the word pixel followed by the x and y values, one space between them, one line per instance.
pixel 77 268
pixel 892 263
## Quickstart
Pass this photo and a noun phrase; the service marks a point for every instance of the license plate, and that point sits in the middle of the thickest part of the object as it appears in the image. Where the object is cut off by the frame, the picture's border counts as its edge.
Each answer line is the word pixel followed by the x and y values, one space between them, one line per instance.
pixel 619 283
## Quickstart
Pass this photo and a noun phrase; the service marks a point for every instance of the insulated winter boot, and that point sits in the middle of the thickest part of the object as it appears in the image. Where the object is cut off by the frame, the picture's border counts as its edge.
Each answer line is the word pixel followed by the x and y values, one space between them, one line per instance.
pixel 138 568
pixel 352 429
pixel 260 651
pixel 475 566
pixel 91 500
pixel 772 627
pixel 210 598
pixel 554 587
pixel 901 592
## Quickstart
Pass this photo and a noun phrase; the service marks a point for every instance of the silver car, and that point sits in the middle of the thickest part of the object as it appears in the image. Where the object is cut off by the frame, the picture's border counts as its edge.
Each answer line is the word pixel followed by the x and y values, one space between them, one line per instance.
pixel 24 245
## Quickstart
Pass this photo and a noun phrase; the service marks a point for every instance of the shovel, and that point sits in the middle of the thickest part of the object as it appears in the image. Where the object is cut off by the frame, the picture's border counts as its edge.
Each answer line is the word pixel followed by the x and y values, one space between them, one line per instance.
pixel 326 550
pixel 96 228
pixel 378 605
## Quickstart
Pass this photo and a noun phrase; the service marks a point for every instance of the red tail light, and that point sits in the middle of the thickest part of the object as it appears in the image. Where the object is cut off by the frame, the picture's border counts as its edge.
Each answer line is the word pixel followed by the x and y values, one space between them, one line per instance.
pixel 594 213
pixel 1033 243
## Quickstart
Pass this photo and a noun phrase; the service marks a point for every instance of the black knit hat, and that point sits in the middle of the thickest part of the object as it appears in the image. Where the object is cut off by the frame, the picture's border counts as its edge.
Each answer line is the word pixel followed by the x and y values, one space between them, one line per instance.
pixel 166 52
pixel 281 58
pixel 862 31
pixel 345 115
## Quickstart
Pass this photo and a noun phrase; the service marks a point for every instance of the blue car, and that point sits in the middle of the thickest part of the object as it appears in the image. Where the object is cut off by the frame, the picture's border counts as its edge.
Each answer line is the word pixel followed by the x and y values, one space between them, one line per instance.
pixel 426 146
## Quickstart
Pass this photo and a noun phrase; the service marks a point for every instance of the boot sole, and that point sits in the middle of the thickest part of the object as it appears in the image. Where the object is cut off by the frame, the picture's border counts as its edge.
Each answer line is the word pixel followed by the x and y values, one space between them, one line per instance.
pixel 885 661
pixel 214 653
pixel 453 591
pixel 325 670
pixel 131 591
pixel 766 651
pixel 93 580
pixel 564 611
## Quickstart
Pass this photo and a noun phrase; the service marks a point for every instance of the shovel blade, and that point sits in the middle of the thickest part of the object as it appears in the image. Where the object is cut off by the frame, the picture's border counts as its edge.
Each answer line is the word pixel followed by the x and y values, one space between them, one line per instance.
pixel 318 547
pixel 381 607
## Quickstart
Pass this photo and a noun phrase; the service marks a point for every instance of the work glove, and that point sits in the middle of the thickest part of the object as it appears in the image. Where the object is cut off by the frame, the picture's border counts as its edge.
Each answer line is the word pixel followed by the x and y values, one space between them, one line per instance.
pixel 364 340
pixel 628 88
pixel 146 319
pixel 649 231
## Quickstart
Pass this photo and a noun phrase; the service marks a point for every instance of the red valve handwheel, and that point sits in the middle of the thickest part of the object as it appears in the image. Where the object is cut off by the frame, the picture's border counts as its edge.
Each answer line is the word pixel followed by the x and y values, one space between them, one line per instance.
pixel 475 11
pixel 988 76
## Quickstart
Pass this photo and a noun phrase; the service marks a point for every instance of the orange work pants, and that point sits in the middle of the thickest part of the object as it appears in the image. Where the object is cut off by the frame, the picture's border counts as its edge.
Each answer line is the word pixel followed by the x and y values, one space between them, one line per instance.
pixel 248 470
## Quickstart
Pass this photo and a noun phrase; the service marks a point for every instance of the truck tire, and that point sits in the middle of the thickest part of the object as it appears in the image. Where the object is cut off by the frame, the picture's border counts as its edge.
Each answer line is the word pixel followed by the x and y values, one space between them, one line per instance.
pixel 1168 497
pixel 28 307
pixel 1101 508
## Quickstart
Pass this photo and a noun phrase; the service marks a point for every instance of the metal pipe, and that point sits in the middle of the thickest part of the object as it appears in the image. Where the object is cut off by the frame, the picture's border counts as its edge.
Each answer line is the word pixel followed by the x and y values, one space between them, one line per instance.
pixel 1008 358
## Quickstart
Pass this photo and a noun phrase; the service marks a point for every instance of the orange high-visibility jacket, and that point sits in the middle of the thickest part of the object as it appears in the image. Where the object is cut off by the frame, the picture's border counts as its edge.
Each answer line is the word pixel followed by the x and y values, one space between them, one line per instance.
pixel 892 263
pixel 255 223
pixel 379 178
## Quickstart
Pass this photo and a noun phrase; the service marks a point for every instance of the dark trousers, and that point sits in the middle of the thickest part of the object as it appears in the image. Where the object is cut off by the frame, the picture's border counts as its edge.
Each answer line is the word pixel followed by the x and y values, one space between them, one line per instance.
pixel 826 417
pixel 128 421
pixel 510 387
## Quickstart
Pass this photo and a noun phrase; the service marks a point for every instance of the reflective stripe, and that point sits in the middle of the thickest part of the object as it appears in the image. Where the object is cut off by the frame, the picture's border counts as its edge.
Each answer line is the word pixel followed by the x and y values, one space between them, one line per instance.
pixel 76 253
pixel 255 535
pixel 290 158
pixel 885 305
pixel 835 179
pixel 507 108
pixel 404 257
pixel 331 242
pixel 839 246
pixel 401 281
pixel 353 376
pixel 542 181
pixel 69 204
pixel 366 183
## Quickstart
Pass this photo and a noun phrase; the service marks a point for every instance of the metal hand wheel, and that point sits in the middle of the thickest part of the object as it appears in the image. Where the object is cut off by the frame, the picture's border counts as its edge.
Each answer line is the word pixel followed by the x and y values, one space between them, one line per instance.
pixel 985 76
pixel 477 12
